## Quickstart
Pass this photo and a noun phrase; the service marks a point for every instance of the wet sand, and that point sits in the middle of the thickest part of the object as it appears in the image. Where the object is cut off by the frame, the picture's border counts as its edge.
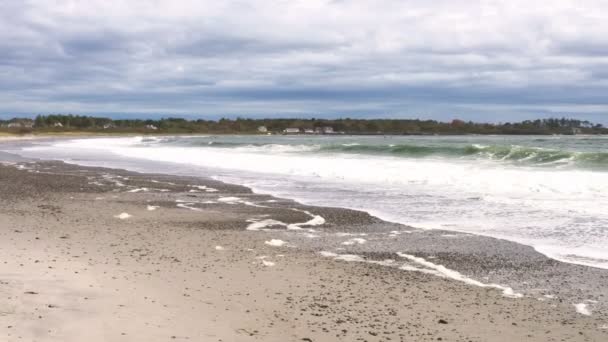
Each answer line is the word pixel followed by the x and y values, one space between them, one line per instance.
pixel 92 254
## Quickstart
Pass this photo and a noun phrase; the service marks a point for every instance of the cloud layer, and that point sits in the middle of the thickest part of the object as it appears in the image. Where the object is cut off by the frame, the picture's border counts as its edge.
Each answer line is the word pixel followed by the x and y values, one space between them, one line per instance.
pixel 486 60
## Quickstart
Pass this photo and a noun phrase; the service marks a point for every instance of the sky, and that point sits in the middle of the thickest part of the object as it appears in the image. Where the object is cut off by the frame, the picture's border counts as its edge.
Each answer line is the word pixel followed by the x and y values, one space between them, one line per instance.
pixel 485 60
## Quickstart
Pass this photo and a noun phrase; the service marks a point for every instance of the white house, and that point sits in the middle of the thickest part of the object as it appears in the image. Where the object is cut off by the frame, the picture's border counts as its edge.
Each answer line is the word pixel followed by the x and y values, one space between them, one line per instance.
pixel 262 129
pixel 152 127
pixel 291 130
pixel 21 124
pixel 57 124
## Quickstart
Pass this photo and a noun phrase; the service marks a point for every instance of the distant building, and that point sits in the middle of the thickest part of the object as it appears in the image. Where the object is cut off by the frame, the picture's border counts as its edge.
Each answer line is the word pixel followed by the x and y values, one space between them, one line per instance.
pixel 309 131
pixel 262 129
pixel 21 124
pixel 328 130
pixel 57 124
pixel 108 126
pixel 576 131
pixel 152 127
pixel 291 130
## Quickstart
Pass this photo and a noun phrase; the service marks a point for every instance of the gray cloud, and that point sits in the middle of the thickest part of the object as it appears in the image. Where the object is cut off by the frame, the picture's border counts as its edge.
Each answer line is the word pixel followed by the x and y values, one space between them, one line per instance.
pixel 490 60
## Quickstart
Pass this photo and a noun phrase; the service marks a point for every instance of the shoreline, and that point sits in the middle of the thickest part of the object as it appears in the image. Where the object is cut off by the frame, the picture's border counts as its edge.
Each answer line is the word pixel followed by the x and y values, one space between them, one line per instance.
pixel 341 226
pixel 575 274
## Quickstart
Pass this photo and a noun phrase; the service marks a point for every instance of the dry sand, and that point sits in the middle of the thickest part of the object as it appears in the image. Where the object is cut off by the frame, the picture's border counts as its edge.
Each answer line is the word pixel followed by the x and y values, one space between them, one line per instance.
pixel 72 270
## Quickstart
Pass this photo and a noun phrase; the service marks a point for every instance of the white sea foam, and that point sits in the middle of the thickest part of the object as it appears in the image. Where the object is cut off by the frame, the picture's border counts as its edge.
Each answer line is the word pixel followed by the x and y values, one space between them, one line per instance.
pixel 237 200
pixel 258 224
pixel 159 182
pixel 123 216
pixel 255 224
pixel 354 241
pixel 204 188
pixel 442 271
pixel 350 234
pixel 349 257
pixel 386 262
pixel 582 309
pixel 139 190
pixel 342 257
pixel 315 220
pixel 275 243
pixel 188 206
pixel 231 200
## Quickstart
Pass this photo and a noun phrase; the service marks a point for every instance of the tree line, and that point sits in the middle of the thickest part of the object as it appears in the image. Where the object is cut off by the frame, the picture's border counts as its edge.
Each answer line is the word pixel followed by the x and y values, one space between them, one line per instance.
pixel 78 123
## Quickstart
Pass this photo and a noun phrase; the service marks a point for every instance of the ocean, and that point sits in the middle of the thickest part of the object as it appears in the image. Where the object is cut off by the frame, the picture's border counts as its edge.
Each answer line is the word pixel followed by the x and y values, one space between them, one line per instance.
pixel 548 192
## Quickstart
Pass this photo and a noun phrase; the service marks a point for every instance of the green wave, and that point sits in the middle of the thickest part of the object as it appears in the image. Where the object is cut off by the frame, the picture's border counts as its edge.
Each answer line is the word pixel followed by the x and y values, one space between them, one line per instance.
pixel 511 154
pixel 532 156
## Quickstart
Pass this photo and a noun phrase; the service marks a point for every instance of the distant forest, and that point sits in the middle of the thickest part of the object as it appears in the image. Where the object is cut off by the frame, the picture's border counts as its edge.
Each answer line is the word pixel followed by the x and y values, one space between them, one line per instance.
pixel 76 123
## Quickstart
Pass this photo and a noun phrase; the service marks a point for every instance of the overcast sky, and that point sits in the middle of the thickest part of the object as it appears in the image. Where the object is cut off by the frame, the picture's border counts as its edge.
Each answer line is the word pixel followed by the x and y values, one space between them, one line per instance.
pixel 482 60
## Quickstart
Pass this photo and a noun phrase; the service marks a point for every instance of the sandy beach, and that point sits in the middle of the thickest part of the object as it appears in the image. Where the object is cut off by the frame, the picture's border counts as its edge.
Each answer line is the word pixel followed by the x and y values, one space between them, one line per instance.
pixel 108 255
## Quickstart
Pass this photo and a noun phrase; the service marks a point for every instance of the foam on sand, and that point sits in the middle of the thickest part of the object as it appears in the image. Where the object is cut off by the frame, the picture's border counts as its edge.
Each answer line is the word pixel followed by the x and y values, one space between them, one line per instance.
pixel 582 309
pixel 315 220
pixel 237 200
pixel 204 188
pixel 159 182
pixel 219 248
pixel 276 243
pixel 188 206
pixel 354 241
pixel 349 257
pixel 123 216
pixel 230 200
pixel 257 224
pixel 139 190
pixel 442 271
pixel 342 257
pixel 268 263
pixel 152 207
pixel 350 234
pixel 261 224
